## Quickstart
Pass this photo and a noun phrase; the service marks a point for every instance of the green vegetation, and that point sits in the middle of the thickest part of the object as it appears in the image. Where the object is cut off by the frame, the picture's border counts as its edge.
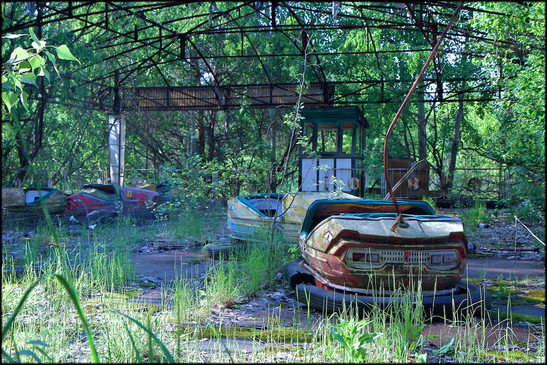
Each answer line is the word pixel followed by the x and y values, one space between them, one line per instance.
pixel 71 297
pixel 55 123
pixel 24 66
pixel 66 297
pixel 354 340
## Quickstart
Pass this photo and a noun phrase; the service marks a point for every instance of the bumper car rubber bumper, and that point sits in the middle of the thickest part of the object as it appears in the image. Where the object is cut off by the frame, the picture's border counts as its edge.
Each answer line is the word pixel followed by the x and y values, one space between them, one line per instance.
pixel 468 297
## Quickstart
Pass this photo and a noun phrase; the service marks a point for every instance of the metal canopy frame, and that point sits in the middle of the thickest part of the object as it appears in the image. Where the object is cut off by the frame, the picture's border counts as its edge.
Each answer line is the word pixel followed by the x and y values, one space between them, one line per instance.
pixel 175 42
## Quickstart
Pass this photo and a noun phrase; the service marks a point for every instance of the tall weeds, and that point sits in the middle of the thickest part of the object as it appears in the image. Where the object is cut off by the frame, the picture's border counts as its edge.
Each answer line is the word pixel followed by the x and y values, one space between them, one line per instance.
pixel 67 307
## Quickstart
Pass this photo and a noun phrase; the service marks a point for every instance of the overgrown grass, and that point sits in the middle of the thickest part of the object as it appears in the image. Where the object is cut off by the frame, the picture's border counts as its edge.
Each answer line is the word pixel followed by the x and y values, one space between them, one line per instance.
pixel 64 321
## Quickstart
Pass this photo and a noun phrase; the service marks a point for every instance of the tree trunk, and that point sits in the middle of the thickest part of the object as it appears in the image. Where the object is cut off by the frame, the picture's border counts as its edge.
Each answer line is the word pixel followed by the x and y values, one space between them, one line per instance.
pixel 272 185
pixel 192 141
pixel 23 161
pixel 455 143
pixel 407 144
pixel 211 136
pixel 201 133
pixel 422 136
pixel 272 135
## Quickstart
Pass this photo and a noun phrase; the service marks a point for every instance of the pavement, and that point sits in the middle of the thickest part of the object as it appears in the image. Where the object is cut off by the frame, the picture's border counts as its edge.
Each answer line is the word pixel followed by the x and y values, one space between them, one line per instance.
pixel 168 265
pixel 508 269
pixel 493 268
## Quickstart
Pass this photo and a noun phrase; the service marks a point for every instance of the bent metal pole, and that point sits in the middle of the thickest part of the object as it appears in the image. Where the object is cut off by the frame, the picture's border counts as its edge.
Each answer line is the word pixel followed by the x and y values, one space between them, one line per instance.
pixel 400 111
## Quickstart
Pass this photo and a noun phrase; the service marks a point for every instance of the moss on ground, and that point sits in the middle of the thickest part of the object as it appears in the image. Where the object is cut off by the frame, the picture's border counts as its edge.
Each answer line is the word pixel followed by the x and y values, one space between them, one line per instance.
pixel 510 356
pixel 537 295
pixel 280 334
pixel 478 255
pixel 516 317
pixel 514 292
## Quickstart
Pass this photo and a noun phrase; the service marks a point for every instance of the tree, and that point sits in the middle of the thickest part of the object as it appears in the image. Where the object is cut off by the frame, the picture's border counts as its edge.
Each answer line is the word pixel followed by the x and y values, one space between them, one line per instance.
pixel 26 68
pixel 210 44
pixel 516 133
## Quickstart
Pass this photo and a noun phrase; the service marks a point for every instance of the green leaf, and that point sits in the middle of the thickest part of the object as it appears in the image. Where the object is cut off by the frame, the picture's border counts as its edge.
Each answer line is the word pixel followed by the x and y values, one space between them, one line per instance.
pixel 421 358
pixel 76 301
pixel 39 46
pixel 37 61
pixel 137 354
pixel 28 78
pixel 445 348
pixel 64 53
pixel 368 337
pixel 23 67
pixel 33 36
pixel 340 339
pixel 7 326
pixel 24 97
pixel 50 56
pixel 10 99
pixel 18 54
pixel 218 336
pixel 17 83
pixel 412 346
pixel 29 353
pixel 38 343
pixel 46 74
pixel 43 352
pixel 166 352
pixel 7 356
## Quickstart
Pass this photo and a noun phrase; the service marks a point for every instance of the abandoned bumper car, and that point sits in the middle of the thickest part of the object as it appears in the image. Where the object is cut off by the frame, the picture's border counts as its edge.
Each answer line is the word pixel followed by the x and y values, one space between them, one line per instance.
pixel 351 255
pixel 18 201
pixel 355 255
pixel 99 202
pixel 249 215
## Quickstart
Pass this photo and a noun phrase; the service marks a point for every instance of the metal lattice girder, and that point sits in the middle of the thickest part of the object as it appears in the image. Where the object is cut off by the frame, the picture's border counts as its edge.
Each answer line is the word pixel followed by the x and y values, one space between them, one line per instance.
pixel 222 97
pixel 130 40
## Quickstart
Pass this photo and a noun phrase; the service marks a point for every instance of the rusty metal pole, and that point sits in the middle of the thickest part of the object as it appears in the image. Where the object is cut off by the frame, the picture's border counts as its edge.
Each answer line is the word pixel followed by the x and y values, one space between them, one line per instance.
pixel 400 111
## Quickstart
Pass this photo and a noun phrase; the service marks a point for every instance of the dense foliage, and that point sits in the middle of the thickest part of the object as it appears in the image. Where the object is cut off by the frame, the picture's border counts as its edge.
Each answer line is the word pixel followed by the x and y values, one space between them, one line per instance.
pixel 249 149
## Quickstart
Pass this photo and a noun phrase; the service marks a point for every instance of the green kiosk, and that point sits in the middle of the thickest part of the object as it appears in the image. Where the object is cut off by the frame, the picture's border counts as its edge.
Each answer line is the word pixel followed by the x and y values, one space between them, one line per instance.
pixel 333 158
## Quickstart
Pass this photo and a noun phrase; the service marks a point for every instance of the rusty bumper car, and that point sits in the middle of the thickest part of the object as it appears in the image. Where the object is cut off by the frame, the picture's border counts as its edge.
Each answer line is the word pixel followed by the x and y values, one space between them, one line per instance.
pixel 100 202
pixel 352 257
pixel 17 201
pixel 249 215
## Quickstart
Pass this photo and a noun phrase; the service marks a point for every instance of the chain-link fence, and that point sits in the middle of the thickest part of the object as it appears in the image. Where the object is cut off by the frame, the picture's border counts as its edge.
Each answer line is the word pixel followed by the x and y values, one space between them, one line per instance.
pixel 476 183
pixel 62 180
pixel 222 183
pixel 487 184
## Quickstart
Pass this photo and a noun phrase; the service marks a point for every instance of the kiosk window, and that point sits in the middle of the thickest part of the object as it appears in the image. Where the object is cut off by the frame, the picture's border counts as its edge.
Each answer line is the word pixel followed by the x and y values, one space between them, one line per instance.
pixel 327 140
pixel 347 140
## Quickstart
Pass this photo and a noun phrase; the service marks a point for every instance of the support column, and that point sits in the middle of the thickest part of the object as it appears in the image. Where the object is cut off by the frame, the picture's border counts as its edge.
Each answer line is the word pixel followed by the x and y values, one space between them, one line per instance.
pixel 272 135
pixel 116 148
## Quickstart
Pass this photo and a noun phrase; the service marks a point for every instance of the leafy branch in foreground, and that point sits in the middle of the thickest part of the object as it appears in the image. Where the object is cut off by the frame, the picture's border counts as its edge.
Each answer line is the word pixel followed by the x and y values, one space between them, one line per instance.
pixel 25 66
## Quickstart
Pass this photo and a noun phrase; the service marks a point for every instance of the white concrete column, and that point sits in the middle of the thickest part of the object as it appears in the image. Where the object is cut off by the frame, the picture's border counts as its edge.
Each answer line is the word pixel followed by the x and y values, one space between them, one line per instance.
pixel 116 148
